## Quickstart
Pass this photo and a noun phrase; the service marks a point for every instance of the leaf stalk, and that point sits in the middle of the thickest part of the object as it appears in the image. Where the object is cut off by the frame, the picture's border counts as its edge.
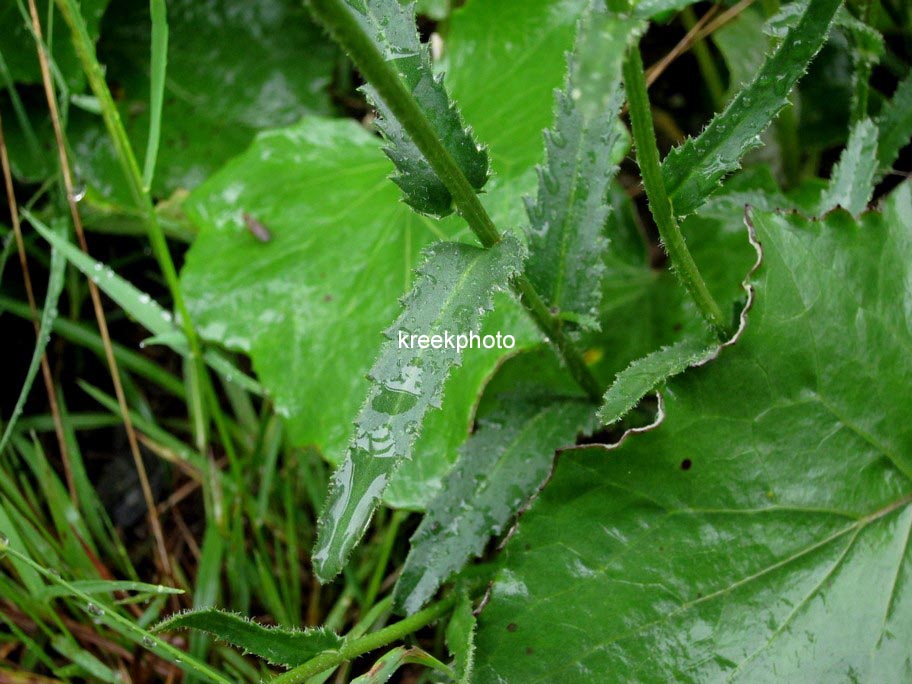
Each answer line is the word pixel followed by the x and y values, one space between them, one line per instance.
pixel 659 204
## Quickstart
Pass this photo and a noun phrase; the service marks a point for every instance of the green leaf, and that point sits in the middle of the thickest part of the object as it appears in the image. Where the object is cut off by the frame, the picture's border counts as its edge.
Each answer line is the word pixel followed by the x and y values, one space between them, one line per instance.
pixel 852 180
pixel 386 666
pixel 895 125
pixel 391 26
pixel 45 324
pixel 693 171
pixel 454 289
pixel 566 232
pixel 18 43
pixel 504 61
pixel 647 9
pixel 234 68
pixel 760 533
pixel 460 639
pixel 309 305
pixel 646 374
pixel 106 587
pixel 279 646
pixel 501 466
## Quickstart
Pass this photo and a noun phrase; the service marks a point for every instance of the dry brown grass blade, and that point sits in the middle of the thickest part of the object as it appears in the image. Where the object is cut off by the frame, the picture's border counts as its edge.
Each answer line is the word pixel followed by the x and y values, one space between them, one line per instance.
pixel 30 295
pixel 95 295
pixel 706 26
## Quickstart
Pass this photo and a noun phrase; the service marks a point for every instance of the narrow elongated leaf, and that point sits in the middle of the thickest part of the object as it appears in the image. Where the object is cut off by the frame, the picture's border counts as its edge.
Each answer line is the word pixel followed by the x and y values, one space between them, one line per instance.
pixel 852 181
pixel 567 220
pixel 501 466
pixel 644 375
pixel 895 124
pixel 148 312
pixel 760 534
pixel 278 645
pixel 391 27
pixel 386 666
pixel 693 171
pixel 460 639
pixel 48 316
pixel 454 289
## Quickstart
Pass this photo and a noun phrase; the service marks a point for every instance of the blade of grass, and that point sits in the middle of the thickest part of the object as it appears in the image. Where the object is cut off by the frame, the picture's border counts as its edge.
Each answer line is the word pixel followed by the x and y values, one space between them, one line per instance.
pixel 157 89
pixel 41 331
pixel 122 625
pixel 95 296
pixel 141 306
pixel 48 314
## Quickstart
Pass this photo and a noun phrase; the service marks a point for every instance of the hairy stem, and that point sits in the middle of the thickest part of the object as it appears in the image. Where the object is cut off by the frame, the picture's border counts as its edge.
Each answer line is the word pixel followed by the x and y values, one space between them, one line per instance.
pixel 343 26
pixel 659 204
pixel 369 642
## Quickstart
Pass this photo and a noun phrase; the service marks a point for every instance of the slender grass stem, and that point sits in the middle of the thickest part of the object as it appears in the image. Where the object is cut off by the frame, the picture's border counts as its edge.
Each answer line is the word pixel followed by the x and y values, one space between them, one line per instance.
pixel 659 203
pixel 85 50
pixel 46 375
pixel 343 26
pixel 369 642
pixel 94 294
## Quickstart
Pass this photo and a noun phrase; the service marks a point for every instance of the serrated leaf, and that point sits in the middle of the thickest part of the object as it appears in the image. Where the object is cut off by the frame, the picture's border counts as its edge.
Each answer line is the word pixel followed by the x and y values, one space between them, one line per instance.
pixel 761 532
pixel 309 305
pixel 460 639
pixel 567 220
pixel 278 645
pixel 505 461
pixel 693 171
pixel 504 61
pixel 646 374
pixel 392 660
pixel 390 25
pixel 852 180
pixel 454 289
pixel 895 125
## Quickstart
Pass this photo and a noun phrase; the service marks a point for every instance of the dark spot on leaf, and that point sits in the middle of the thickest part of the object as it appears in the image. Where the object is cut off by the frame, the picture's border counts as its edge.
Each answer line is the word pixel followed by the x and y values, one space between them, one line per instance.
pixel 529 650
pixel 678 326
pixel 686 464
pixel 527 547
pixel 511 627
pixel 327 298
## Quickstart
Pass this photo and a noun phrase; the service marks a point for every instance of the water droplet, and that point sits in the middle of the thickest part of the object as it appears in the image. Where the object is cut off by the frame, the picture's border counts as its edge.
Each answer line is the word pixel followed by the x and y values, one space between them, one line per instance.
pixel 95 610
pixel 79 193
pixel 148 642
pixel 4 544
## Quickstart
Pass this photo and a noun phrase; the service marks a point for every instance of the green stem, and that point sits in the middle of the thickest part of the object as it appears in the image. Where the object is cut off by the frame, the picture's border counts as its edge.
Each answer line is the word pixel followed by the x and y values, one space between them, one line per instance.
pixel 369 642
pixel 344 27
pixel 553 328
pixel 85 50
pixel 659 203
